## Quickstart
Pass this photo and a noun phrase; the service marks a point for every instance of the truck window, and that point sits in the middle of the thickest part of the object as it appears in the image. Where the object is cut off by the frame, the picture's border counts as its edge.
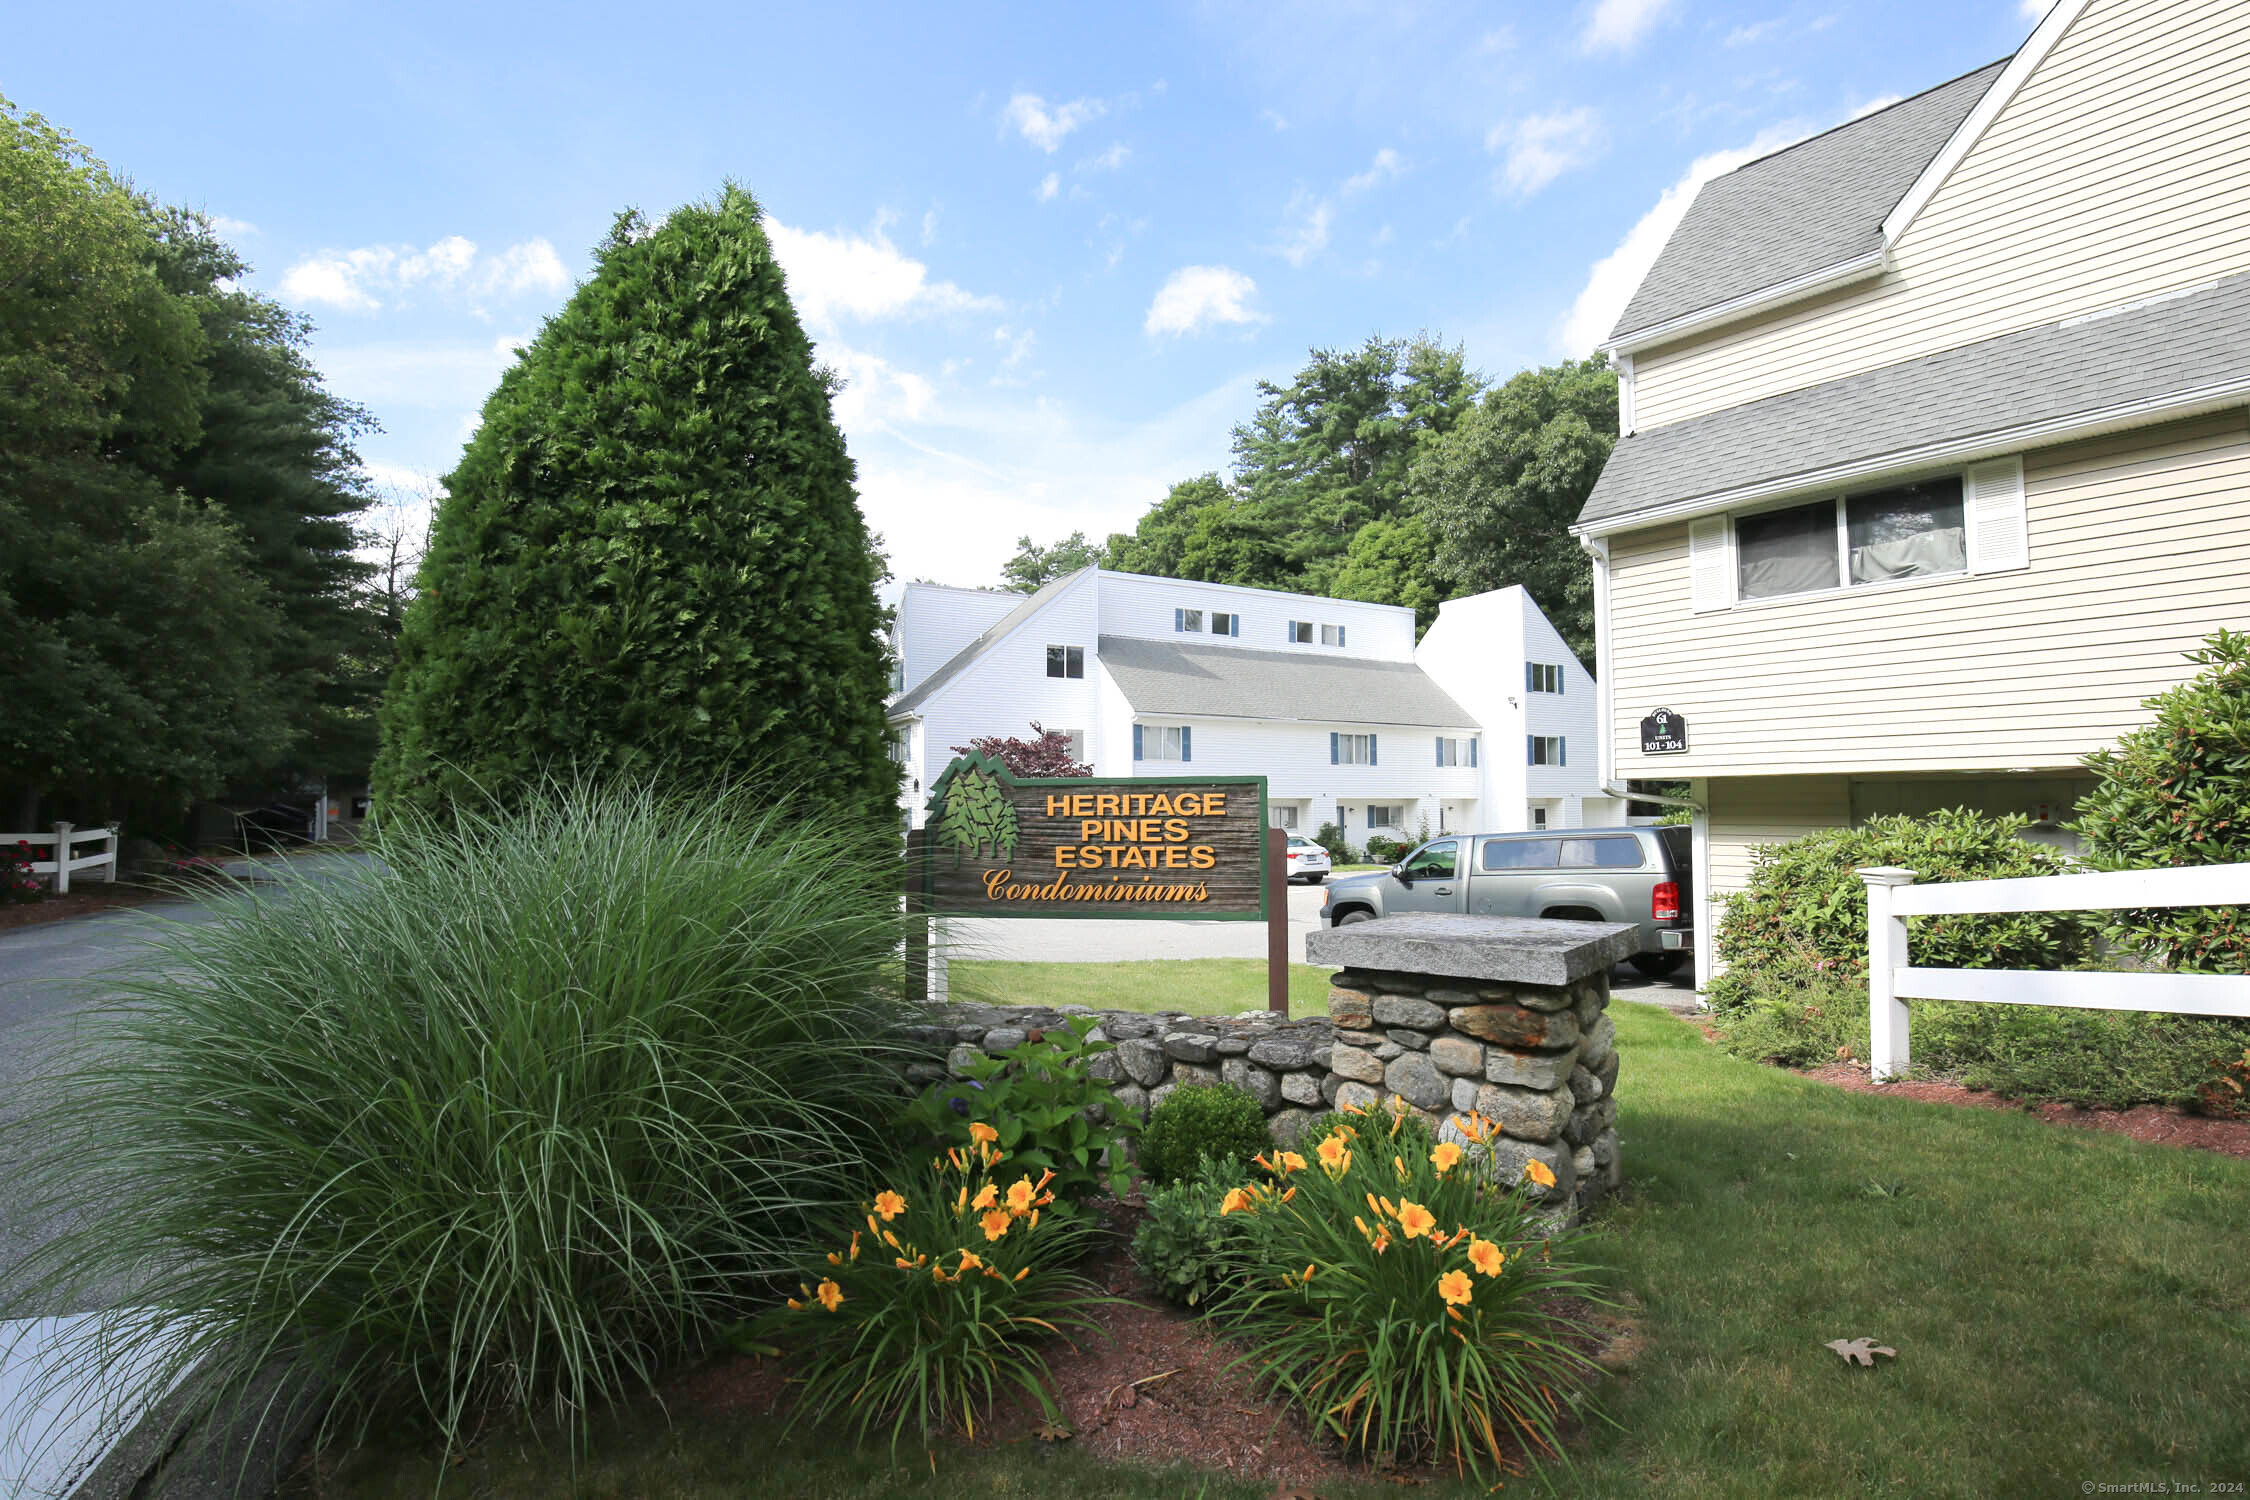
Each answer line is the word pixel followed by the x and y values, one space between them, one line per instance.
pixel 1519 854
pixel 1432 861
pixel 1622 852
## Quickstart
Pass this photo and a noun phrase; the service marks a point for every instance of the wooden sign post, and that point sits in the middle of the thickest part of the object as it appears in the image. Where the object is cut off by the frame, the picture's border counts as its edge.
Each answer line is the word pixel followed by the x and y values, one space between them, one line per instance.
pixel 1191 848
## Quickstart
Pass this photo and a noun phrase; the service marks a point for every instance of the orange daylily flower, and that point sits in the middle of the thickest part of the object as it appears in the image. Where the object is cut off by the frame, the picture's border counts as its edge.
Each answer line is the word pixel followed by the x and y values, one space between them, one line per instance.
pixel 982 1133
pixel 986 1196
pixel 1334 1154
pixel 1020 1196
pixel 1414 1219
pixel 831 1295
pixel 1445 1157
pixel 1539 1172
pixel 1292 1162
pixel 1237 1200
pixel 969 1262
pixel 889 1205
pixel 995 1223
pixel 1487 1257
pixel 1453 1286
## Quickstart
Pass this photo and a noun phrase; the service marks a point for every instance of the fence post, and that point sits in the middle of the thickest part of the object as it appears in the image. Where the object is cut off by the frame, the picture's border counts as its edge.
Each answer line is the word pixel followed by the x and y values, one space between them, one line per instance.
pixel 62 858
pixel 109 872
pixel 1888 1045
pixel 917 923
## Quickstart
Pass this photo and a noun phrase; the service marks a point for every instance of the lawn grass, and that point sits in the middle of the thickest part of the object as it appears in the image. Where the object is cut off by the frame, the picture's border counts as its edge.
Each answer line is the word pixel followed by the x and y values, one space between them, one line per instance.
pixel 1199 986
pixel 2068 1307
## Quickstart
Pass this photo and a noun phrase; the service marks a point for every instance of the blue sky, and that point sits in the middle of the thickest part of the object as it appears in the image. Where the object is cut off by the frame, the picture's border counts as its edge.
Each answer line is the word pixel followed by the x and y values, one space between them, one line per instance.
pixel 1051 247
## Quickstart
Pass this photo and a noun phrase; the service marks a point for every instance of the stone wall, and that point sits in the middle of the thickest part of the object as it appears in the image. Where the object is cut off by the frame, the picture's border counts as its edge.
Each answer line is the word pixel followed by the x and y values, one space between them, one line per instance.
pixel 1538 1061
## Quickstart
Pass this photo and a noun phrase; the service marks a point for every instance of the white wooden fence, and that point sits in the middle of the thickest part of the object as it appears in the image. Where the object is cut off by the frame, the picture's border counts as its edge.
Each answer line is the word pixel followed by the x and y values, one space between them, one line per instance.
pixel 1892 897
pixel 61 862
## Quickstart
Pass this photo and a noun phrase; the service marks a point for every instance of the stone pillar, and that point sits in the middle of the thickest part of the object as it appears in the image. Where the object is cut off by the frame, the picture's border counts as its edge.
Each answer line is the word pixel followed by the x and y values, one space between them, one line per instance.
pixel 1503 1017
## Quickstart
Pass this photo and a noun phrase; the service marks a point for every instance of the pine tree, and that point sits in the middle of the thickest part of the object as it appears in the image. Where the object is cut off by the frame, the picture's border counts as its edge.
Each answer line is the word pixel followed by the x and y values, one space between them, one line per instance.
pixel 651 559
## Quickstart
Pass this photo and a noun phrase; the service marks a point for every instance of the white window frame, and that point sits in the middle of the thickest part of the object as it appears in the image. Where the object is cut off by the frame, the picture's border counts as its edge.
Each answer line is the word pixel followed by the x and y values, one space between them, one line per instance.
pixel 1224 622
pixel 1535 747
pixel 1072 656
pixel 1993 521
pixel 1163 742
pixel 1282 815
pixel 1539 674
pixel 1390 812
pixel 1332 635
pixel 1355 749
pixel 1539 818
pixel 1300 632
pixel 1186 621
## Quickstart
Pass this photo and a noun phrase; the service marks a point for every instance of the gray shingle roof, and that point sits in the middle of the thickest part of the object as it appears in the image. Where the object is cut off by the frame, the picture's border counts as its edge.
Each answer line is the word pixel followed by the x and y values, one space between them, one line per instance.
pixel 1802 209
pixel 2055 372
pixel 1227 682
pixel 992 635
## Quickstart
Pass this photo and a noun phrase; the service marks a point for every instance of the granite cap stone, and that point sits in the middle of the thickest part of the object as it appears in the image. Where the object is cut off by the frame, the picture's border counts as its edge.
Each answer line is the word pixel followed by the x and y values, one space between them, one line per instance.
pixel 1515 950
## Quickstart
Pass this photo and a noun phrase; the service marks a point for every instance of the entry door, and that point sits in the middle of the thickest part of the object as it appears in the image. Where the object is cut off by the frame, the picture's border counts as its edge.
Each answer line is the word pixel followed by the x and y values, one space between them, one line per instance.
pixel 1435 869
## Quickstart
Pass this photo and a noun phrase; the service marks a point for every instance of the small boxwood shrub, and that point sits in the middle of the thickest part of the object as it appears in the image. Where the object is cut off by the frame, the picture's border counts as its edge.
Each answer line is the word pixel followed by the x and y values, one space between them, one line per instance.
pixel 1386 851
pixel 2178 793
pixel 1804 913
pixel 1215 1120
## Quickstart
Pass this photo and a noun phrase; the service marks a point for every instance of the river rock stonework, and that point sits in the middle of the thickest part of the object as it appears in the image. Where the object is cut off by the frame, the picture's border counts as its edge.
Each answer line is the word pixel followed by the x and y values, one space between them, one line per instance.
pixel 1499 1017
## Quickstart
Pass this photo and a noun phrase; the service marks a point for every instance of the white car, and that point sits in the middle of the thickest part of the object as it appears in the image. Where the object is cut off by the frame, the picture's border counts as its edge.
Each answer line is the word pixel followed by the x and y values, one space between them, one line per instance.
pixel 1307 860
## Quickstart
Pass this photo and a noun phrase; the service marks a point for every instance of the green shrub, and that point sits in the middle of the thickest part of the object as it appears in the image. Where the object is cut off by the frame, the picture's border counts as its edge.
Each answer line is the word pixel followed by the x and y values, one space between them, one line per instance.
pixel 508 1116
pixel 1190 1251
pixel 1048 1110
pixel 2103 1059
pixel 1331 838
pixel 939 1299
pixel 1198 1120
pixel 1382 850
pixel 2178 793
pixel 1406 1303
pixel 1804 912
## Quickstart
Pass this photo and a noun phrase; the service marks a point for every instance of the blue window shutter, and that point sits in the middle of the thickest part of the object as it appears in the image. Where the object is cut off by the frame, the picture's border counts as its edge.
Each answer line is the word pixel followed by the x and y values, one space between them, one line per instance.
pixel 1187 742
pixel 1473 748
pixel 1531 750
pixel 1335 757
pixel 1530 678
pixel 1562 752
pixel 1339 635
pixel 1441 749
pixel 1289 632
pixel 1179 619
pixel 1136 742
pixel 1371 751
pixel 1234 624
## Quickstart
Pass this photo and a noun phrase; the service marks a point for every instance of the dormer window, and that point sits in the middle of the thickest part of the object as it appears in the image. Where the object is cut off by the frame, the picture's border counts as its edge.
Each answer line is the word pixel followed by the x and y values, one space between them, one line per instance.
pixel 1066 661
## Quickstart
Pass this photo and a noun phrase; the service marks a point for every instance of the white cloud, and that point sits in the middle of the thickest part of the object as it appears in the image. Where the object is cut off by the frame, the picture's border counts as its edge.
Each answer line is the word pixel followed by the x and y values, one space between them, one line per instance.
pixel 929 225
pixel 1029 116
pixel 834 277
pixel 231 229
pixel 1049 186
pixel 2034 11
pixel 1617 24
pixel 1880 101
pixel 1275 118
pixel 1017 343
pixel 1194 298
pixel 427 375
pixel 1614 278
pixel 876 393
pixel 1384 166
pixel 1109 161
pixel 1756 31
pixel 360 280
pixel 1311 233
pixel 1543 147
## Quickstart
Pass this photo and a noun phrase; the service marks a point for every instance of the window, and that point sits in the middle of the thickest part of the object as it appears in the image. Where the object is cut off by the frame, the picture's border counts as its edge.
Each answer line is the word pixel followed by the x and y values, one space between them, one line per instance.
pixel 899 747
pixel 1282 815
pixel 1907 531
pixel 1066 661
pixel 1077 738
pixel 1542 677
pixel 1381 816
pixel 1163 742
pixel 1519 854
pixel 1351 750
pixel 1545 750
pixel 898 675
pixel 1539 817
pixel 1189 620
pixel 1432 861
pixel 1620 853
pixel 1300 633
pixel 1452 752
pixel 1332 635
pixel 1225 624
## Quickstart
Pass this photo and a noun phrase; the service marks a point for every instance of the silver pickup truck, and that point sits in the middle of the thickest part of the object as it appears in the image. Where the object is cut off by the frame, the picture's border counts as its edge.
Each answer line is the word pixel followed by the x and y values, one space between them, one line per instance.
pixel 1638 875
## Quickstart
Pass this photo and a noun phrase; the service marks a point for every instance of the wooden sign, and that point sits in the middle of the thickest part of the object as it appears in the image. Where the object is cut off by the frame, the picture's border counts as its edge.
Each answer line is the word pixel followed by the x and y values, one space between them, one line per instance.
pixel 1664 733
pixel 1192 848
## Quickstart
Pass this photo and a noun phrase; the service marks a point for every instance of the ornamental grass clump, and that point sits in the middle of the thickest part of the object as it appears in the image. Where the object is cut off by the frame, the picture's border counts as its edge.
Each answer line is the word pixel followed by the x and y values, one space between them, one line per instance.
pixel 506 1117
pixel 1410 1305
pixel 937 1301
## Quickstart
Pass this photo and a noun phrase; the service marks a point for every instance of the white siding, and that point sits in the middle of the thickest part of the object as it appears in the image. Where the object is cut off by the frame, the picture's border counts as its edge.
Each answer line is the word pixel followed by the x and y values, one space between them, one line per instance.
pixel 1571 715
pixel 2121 170
pixel 934 622
pixel 1294 760
pixel 2140 547
pixel 1140 606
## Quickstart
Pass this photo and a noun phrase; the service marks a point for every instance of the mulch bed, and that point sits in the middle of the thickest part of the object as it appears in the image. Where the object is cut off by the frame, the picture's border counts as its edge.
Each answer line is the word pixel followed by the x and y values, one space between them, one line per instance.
pixel 1159 1386
pixel 2158 1124
pixel 80 901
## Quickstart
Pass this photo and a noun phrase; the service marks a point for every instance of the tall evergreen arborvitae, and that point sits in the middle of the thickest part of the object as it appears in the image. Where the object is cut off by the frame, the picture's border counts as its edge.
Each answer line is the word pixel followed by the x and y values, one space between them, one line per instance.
pixel 651 559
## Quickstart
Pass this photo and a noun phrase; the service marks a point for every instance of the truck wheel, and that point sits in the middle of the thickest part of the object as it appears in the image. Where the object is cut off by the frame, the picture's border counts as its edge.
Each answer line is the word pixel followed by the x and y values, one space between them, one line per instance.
pixel 1356 914
pixel 1658 965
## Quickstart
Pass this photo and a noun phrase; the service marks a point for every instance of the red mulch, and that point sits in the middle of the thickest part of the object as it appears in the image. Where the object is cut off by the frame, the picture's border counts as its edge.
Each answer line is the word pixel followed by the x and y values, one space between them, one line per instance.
pixel 1158 1387
pixel 81 901
pixel 2159 1124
